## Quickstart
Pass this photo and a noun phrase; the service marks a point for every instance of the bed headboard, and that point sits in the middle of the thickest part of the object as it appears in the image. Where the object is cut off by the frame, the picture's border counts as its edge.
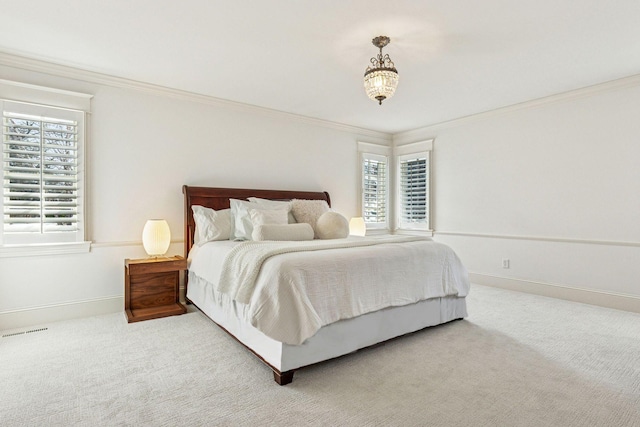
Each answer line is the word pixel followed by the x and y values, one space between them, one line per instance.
pixel 218 198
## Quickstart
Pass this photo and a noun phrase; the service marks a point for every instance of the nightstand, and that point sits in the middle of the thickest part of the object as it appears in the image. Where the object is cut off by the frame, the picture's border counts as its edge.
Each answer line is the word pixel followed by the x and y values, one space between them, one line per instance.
pixel 152 286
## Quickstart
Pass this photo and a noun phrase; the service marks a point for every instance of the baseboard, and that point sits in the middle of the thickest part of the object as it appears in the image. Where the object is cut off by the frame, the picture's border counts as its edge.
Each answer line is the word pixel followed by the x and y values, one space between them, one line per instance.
pixel 53 313
pixel 36 316
pixel 599 298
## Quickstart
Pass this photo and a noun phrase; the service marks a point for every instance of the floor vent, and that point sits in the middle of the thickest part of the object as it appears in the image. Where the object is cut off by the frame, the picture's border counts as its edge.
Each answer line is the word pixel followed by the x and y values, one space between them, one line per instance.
pixel 24 332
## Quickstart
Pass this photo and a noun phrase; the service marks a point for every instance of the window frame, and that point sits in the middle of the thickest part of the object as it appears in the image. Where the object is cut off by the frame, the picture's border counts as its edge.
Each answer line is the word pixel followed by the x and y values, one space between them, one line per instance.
pixel 400 207
pixel 55 103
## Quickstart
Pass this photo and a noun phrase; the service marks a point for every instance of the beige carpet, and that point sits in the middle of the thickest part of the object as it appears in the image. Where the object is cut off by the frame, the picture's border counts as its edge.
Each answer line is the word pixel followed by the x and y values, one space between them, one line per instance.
pixel 519 360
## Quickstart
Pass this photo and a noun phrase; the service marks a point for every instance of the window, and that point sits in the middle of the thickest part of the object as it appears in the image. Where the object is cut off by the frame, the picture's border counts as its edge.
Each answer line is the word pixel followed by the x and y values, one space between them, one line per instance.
pixel 409 177
pixel 413 185
pixel 413 194
pixel 41 197
pixel 374 190
pixel 374 168
pixel 42 174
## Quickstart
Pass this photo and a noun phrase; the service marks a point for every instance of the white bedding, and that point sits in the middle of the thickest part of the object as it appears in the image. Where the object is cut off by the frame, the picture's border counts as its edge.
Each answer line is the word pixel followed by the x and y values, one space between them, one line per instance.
pixel 297 293
pixel 244 262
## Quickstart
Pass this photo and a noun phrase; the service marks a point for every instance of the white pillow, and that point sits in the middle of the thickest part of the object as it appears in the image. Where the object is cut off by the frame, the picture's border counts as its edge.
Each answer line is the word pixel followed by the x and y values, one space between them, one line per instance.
pixel 283 232
pixel 241 226
pixel 275 204
pixel 263 216
pixel 211 225
pixel 309 211
pixel 332 225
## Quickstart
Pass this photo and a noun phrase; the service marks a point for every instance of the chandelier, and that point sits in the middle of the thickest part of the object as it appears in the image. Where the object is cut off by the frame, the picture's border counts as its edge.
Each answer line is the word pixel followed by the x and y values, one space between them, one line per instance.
pixel 381 77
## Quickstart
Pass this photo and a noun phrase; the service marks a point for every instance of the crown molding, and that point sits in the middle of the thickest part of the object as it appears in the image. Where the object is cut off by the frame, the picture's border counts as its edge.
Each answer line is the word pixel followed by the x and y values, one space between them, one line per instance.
pixel 59 70
pixel 419 133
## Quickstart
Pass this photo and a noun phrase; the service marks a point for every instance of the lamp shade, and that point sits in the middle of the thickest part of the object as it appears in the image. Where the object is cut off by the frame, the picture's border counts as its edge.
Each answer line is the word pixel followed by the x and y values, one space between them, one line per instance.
pixel 357 227
pixel 156 237
pixel 381 83
pixel 381 77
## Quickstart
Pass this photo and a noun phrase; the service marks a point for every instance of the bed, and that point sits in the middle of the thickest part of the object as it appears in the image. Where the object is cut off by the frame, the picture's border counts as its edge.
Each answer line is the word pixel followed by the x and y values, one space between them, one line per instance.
pixel 286 353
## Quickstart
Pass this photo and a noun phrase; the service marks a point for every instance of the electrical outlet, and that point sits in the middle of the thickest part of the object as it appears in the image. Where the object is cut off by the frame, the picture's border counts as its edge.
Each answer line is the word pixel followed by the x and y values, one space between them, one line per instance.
pixel 505 262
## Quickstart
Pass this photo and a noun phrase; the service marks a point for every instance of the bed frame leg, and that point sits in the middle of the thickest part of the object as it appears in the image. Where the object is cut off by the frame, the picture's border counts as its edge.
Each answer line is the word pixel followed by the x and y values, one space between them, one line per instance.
pixel 283 378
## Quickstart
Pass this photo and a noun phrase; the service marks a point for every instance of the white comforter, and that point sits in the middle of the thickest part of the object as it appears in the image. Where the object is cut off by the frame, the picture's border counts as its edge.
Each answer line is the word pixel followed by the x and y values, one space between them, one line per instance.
pixel 296 293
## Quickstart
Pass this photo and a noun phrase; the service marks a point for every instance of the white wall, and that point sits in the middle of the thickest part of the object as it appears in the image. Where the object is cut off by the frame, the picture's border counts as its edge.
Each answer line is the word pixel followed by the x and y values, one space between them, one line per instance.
pixel 143 146
pixel 554 186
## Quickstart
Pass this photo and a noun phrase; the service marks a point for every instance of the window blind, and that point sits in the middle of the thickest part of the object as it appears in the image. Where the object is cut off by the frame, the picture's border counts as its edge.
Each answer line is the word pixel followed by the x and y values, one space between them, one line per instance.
pixel 40 174
pixel 413 191
pixel 374 192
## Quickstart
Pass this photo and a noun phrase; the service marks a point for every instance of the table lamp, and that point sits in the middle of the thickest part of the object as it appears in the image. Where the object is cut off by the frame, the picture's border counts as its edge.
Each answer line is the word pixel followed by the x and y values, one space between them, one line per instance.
pixel 156 237
pixel 357 227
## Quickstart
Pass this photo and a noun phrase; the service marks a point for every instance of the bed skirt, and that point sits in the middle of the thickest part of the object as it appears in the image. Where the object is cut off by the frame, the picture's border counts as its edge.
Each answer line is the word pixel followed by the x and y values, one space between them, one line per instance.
pixel 333 340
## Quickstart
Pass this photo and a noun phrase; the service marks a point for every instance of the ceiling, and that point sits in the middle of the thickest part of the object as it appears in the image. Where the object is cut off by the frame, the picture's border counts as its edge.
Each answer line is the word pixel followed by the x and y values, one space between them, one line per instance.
pixel 455 58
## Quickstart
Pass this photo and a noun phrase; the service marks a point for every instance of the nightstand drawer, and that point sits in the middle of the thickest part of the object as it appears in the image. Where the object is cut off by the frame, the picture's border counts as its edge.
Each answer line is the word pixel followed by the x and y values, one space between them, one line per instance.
pixel 154 289
pixel 155 265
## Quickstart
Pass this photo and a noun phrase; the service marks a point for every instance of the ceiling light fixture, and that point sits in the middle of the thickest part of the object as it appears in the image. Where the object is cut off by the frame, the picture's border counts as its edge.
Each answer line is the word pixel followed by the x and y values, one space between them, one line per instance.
pixel 381 77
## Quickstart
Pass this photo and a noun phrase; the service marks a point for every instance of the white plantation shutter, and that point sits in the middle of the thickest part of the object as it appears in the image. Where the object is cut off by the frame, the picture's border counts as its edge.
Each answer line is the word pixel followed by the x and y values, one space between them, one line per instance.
pixel 41 200
pixel 413 191
pixel 375 179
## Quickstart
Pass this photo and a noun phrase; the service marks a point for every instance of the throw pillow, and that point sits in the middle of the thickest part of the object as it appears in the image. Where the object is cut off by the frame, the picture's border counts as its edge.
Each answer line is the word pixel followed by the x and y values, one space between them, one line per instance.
pixel 332 225
pixel 309 211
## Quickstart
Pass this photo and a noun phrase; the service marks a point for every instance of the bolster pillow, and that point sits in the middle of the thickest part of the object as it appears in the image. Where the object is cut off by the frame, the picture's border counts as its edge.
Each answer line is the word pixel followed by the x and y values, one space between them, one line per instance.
pixel 301 231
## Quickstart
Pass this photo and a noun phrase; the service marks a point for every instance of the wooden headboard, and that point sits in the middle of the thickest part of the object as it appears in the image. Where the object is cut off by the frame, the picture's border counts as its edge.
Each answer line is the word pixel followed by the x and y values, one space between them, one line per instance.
pixel 218 198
